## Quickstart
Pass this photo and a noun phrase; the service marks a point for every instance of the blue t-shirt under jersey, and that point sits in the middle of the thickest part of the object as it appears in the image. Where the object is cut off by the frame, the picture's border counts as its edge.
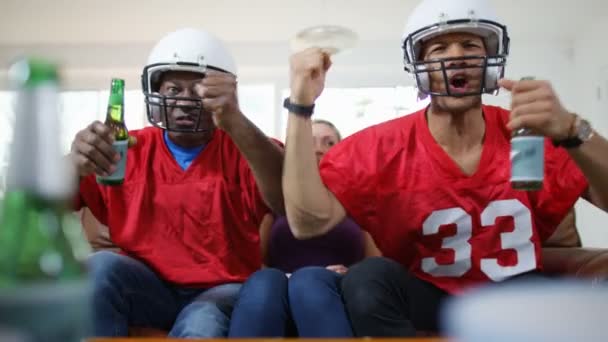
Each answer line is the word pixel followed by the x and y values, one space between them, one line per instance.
pixel 183 155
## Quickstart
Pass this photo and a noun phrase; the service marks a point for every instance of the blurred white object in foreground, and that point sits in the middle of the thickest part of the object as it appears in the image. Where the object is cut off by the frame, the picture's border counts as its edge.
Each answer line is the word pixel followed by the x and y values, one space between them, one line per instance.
pixel 535 311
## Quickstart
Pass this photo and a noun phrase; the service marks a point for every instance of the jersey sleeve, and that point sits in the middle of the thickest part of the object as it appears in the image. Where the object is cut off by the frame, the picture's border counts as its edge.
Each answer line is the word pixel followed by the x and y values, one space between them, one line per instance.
pixel 348 170
pixel 90 196
pixel 564 183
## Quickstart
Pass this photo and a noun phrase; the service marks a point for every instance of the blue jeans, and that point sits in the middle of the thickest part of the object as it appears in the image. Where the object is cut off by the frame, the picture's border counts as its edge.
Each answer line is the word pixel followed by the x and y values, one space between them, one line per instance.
pixel 308 303
pixel 127 293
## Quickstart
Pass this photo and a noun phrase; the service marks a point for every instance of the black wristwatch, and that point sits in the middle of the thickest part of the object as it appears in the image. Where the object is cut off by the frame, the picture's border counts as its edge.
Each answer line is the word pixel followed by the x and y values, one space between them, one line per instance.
pixel 582 132
pixel 305 111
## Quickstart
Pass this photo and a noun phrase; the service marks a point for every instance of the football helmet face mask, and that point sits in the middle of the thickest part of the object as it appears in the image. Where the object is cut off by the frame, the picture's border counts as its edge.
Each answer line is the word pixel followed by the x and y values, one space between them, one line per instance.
pixel 462 75
pixel 186 50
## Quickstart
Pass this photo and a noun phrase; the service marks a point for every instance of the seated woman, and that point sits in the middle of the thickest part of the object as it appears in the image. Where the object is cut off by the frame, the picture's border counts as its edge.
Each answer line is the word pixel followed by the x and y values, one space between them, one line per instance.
pixel 270 305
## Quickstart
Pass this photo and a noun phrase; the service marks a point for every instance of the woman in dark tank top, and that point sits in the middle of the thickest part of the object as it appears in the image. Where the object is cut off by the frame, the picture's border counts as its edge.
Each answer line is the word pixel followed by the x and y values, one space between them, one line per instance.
pixel 341 246
pixel 267 305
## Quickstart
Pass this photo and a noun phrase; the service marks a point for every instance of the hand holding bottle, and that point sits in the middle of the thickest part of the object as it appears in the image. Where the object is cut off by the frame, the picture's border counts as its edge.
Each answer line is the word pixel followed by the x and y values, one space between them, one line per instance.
pixel 92 150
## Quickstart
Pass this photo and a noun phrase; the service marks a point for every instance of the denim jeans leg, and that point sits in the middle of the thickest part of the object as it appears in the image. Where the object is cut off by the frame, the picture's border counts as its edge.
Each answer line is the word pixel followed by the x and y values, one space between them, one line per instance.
pixel 262 309
pixel 316 303
pixel 208 314
pixel 126 293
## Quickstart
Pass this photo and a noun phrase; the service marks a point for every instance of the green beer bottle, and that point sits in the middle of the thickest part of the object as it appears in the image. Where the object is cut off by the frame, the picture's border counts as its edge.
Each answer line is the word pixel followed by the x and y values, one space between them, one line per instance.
pixel 44 290
pixel 115 120
pixel 527 159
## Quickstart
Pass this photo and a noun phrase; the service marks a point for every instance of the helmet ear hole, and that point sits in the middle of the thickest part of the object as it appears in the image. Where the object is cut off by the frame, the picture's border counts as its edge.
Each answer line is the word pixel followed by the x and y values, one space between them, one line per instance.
pixel 422 79
pixel 155 110
pixel 494 72
pixel 155 81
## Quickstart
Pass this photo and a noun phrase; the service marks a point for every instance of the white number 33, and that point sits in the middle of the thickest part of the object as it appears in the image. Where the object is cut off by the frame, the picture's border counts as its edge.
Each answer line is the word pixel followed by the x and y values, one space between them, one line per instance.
pixel 518 240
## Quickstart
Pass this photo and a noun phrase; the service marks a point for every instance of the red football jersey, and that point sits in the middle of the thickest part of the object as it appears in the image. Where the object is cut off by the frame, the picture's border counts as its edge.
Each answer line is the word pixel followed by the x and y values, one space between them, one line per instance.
pixel 446 227
pixel 194 227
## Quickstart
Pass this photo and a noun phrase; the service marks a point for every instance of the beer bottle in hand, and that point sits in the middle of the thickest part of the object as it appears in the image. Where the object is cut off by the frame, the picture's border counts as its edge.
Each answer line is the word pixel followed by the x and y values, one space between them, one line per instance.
pixel 115 120
pixel 527 159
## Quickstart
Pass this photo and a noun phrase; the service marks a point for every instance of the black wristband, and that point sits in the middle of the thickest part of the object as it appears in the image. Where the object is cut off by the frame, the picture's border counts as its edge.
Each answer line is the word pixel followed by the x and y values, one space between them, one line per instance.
pixel 305 111
pixel 568 143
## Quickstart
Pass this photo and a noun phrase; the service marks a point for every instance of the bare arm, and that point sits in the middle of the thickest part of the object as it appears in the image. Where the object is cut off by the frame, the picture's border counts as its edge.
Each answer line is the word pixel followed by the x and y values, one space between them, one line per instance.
pixel 219 93
pixel 311 208
pixel 371 249
pixel 592 158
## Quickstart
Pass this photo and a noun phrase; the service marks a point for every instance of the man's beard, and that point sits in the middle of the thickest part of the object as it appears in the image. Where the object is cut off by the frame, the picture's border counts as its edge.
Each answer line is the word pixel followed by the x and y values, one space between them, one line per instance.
pixel 455 105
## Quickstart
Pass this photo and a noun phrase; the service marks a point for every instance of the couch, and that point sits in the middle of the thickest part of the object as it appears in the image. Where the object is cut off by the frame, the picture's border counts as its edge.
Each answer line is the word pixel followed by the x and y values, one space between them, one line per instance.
pixel 562 255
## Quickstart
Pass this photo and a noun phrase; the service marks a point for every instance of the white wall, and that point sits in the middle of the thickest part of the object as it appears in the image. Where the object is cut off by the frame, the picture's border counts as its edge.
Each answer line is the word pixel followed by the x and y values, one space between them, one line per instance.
pixel 544 59
pixel 590 87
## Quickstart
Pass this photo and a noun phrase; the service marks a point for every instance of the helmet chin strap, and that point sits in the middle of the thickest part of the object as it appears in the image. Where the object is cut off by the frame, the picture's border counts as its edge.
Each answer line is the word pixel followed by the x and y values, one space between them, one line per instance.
pixel 421 95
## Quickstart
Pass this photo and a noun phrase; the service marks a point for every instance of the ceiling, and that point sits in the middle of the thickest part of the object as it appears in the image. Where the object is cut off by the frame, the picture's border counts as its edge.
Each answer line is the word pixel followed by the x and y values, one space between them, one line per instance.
pixel 91 37
pixel 26 22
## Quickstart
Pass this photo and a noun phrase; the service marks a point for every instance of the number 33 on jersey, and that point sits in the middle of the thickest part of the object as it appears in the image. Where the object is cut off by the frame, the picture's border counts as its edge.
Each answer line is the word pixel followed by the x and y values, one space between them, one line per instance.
pixel 449 228
pixel 518 240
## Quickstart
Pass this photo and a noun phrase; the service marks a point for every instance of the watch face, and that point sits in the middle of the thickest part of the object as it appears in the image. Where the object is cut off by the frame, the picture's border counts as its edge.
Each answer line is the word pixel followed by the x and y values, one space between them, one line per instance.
pixel 584 130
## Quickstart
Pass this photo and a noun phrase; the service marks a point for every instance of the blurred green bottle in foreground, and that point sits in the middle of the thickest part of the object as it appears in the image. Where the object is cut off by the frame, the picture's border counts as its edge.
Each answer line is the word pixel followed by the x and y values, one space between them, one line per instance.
pixel 44 289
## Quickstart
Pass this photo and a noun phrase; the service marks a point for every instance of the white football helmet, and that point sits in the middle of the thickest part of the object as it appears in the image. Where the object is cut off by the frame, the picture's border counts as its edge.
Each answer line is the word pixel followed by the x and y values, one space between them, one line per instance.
pixel 188 50
pixel 436 17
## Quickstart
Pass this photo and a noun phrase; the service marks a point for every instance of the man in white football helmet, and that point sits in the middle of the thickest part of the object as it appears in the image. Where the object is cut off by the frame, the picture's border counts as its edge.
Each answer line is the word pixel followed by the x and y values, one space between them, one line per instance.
pixel 188 52
pixel 470 73
pixel 197 187
pixel 433 188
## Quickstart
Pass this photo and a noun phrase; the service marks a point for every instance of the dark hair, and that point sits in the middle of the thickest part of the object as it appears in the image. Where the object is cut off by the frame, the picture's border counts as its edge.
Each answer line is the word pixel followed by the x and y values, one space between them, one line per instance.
pixel 331 125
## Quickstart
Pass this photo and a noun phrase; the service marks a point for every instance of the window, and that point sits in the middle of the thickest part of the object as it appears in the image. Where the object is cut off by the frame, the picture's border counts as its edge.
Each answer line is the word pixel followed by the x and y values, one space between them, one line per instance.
pixel 6 133
pixel 257 103
pixel 352 109
pixel 79 108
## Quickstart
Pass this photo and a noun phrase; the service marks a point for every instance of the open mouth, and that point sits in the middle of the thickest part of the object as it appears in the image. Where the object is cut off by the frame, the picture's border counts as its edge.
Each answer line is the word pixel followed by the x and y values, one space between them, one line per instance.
pixel 458 83
pixel 185 122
